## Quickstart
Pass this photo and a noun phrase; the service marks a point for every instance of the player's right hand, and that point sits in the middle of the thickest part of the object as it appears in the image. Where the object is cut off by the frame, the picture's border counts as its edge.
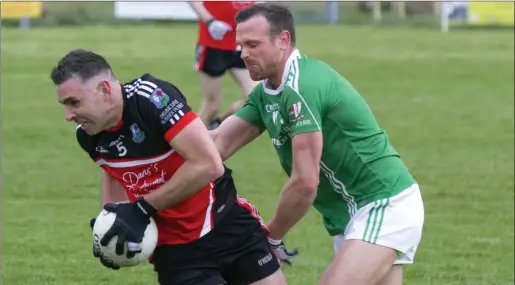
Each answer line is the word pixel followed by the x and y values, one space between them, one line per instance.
pixel 97 254
pixel 129 225
pixel 217 29
pixel 284 255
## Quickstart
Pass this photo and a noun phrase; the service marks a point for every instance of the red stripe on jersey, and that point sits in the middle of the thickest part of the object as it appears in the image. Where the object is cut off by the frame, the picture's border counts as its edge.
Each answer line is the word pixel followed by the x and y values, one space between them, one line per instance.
pixel 186 221
pixel 179 125
pixel 201 58
pixel 213 196
pixel 182 223
pixel 117 126
pixel 252 210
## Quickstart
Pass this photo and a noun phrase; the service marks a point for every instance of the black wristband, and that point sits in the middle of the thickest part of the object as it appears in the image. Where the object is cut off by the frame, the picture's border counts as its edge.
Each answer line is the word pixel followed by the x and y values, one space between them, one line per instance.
pixel 146 207
pixel 208 22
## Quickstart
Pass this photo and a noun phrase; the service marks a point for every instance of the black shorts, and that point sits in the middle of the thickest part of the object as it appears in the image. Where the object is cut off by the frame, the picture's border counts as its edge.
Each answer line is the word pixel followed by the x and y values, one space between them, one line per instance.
pixel 214 62
pixel 235 252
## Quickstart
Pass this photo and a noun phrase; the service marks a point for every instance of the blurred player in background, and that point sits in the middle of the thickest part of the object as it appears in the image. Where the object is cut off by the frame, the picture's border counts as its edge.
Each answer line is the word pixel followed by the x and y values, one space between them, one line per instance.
pixel 217 53
pixel 155 152
pixel 336 156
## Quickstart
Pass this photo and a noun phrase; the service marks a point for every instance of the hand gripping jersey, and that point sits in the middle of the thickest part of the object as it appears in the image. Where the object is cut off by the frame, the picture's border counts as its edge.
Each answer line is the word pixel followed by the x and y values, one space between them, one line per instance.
pixel 358 164
pixel 136 153
pixel 224 11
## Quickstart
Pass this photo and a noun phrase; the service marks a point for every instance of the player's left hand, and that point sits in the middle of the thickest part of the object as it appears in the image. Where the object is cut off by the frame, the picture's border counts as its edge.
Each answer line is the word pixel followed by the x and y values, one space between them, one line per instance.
pixel 283 254
pixel 97 253
pixel 130 225
pixel 217 29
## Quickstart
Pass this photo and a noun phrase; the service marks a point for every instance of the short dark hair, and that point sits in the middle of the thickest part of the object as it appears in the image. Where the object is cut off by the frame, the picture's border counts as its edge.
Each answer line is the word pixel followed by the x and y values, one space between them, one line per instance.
pixel 278 16
pixel 81 63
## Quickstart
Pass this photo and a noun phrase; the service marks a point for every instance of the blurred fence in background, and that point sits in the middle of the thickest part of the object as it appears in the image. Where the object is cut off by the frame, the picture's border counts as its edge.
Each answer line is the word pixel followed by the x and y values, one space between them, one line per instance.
pixel 384 13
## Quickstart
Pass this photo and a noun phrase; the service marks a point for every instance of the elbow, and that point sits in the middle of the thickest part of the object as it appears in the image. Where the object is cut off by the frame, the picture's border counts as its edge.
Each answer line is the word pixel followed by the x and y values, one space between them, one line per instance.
pixel 307 187
pixel 222 150
pixel 214 168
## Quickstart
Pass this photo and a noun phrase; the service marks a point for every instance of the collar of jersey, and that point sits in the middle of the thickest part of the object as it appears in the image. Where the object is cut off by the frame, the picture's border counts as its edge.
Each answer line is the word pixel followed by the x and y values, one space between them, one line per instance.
pixel 291 60
pixel 117 126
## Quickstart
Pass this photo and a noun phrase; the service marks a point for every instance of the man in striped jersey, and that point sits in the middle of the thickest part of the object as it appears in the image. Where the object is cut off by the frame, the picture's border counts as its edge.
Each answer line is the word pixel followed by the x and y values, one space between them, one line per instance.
pixel 328 142
pixel 156 152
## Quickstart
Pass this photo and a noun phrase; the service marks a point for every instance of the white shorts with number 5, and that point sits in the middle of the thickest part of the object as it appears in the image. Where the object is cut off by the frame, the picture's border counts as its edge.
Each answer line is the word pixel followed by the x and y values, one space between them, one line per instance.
pixel 394 222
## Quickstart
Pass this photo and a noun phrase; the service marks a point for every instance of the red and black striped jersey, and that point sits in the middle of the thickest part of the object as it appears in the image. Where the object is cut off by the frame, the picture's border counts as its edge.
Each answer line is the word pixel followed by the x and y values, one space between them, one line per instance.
pixel 137 154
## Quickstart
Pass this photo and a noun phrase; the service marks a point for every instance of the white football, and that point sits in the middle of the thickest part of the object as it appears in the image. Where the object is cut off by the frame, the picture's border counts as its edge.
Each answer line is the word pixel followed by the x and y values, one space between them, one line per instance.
pixel 104 222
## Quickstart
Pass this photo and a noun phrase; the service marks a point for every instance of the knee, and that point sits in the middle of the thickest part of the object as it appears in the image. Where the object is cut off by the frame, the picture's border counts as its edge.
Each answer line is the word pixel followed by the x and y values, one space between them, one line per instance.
pixel 393 277
pixel 212 96
pixel 211 89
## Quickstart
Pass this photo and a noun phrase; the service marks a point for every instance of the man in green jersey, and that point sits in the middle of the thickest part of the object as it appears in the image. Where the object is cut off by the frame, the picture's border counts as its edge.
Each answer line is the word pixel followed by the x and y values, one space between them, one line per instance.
pixel 336 156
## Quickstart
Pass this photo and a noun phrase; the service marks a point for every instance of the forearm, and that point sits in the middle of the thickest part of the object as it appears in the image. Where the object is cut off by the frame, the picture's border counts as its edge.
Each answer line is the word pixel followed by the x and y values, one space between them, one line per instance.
pixel 220 147
pixel 294 202
pixel 189 179
pixel 111 192
pixel 201 11
pixel 232 135
pixel 223 147
pixel 226 148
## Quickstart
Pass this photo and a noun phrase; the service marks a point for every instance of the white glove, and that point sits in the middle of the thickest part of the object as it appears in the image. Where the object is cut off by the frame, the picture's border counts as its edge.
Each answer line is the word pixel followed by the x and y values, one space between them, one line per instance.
pixel 284 255
pixel 217 29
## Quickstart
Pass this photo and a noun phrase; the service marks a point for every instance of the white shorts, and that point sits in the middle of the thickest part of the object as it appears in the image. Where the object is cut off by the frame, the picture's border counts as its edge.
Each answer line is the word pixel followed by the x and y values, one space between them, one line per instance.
pixel 394 222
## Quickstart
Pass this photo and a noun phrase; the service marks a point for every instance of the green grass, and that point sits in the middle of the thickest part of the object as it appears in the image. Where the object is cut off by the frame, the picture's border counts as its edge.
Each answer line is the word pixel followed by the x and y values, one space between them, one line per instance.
pixel 445 99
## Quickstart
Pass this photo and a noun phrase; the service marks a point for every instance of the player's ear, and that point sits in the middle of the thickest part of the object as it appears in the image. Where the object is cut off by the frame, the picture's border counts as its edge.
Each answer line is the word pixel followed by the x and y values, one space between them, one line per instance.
pixel 284 39
pixel 104 87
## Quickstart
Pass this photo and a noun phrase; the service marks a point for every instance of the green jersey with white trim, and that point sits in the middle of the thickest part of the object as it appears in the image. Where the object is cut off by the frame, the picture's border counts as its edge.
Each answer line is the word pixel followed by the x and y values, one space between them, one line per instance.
pixel 358 164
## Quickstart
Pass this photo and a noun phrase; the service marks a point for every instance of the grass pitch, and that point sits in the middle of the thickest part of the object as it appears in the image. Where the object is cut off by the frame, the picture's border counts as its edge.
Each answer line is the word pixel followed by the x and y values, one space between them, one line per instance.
pixel 446 101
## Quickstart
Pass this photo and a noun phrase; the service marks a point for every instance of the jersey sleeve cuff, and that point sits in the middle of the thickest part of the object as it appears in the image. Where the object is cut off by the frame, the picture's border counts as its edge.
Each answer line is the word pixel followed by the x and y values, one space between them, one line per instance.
pixel 249 120
pixel 305 130
pixel 180 125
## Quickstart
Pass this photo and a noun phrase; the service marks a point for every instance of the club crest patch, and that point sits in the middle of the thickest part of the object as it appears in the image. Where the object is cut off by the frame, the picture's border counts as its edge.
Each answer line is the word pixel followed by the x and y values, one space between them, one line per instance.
pixel 159 98
pixel 137 134
pixel 295 112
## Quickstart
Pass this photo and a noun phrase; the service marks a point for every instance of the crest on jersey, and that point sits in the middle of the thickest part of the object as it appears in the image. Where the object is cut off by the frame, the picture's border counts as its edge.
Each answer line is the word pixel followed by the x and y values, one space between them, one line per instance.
pixel 294 112
pixel 159 98
pixel 137 134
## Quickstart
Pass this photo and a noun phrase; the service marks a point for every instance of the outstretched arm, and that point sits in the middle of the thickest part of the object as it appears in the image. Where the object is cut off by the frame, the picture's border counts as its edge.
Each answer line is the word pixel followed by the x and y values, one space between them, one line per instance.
pixel 233 134
pixel 304 120
pixel 300 190
pixel 239 129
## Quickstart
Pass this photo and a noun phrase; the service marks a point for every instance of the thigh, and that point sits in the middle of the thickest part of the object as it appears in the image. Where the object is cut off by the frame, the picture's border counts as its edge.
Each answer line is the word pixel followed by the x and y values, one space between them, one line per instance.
pixel 255 263
pixel 193 263
pixel 242 76
pixel 394 222
pixel 276 278
pixel 393 277
pixel 211 88
pixel 338 242
pixel 251 258
pixel 189 273
pixel 359 263
pixel 213 62
pixel 189 277
pixel 235 60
